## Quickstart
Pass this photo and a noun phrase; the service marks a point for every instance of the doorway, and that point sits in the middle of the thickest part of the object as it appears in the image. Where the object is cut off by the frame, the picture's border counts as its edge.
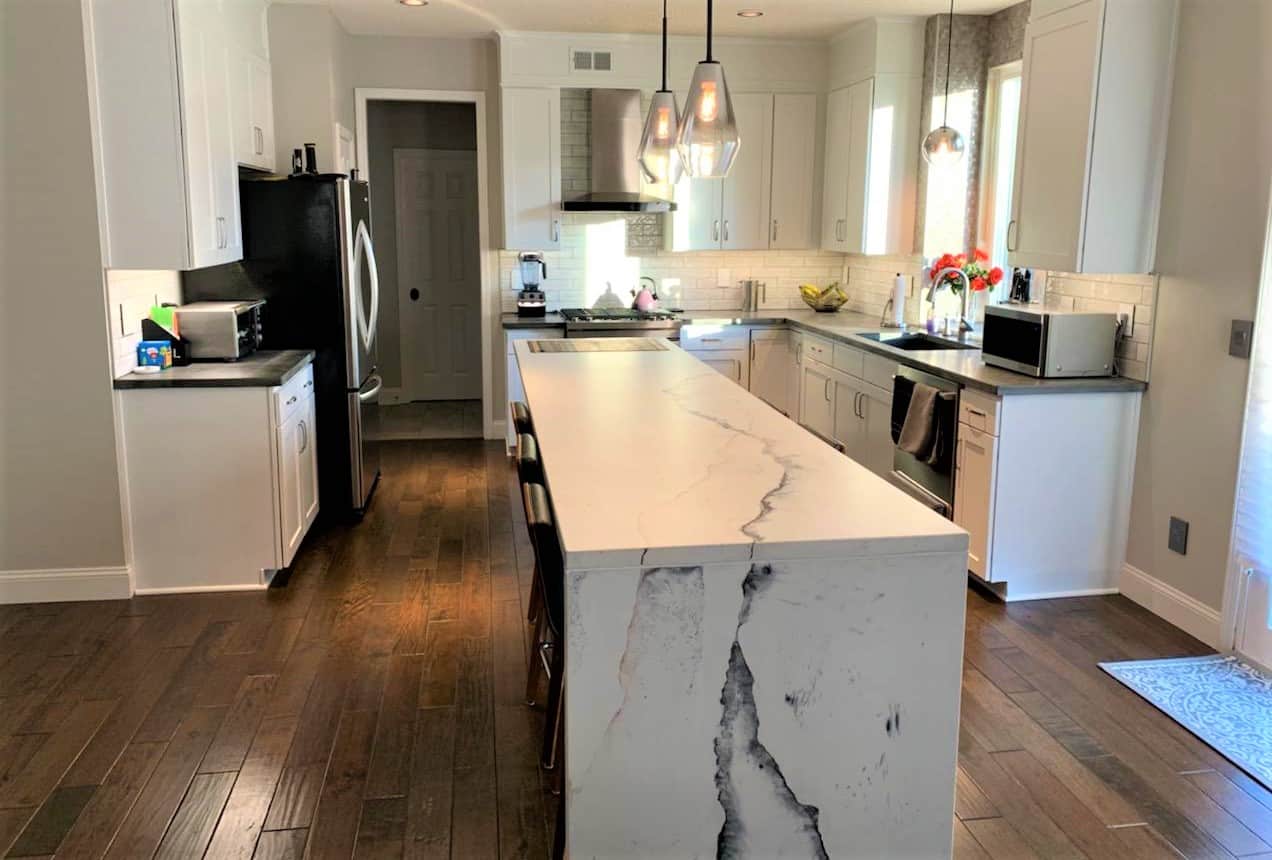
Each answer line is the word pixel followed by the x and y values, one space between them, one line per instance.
pixel 424 155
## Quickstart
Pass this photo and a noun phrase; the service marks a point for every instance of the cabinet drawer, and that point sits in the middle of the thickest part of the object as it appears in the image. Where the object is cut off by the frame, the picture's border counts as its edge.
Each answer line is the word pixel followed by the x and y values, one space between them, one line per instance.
pixel 879 370
pixel 979 411
pixel 848 360
pixel 818 349
pixel 511 336
pixel 698 338
pixel 290 396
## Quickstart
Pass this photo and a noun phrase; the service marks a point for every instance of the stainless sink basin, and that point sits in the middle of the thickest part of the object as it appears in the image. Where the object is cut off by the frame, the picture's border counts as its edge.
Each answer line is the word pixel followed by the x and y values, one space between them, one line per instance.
pixel 914 341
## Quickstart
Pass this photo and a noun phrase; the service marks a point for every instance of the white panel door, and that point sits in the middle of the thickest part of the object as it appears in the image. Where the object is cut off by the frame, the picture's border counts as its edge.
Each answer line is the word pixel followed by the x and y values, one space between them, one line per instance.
pixel 1053 137
pixel 745 198
pixel 877 447
pixel 291 464
pixel 976 465
pixel 817 399
pixel 835 184
pixel 860 107
pixel 439 277
pixel 532 168
pixel 307 468
pixel 199 46
pixel 794 162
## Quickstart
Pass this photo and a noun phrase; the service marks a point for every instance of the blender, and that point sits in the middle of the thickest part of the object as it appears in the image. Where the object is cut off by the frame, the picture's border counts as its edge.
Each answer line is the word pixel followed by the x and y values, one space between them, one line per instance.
pixel 531 301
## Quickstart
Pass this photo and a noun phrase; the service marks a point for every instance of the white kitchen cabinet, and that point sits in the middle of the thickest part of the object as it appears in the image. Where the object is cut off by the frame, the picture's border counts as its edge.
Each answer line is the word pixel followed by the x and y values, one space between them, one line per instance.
pixel 165 95
pixel 731 214
pixel 513 390
pixel 793 219
pixel 731 363
pixel 850 425
pixel 222 494
pixel 1087 183
pixel 817 398
pixel 774 374
pixel 869 189
pixel 976 465
pixel 532 167
pixel 253 101
pixel 877 445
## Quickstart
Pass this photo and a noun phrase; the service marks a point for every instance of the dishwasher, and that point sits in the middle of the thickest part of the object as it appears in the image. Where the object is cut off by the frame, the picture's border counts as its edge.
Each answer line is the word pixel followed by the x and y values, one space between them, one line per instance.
pixel 931 483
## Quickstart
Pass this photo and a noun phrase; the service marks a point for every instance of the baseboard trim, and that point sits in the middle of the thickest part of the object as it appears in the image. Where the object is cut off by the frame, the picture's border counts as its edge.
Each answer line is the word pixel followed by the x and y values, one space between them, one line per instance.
pixel 58 586
pixel 200 589
pixel 1165 601
pixel 1058 595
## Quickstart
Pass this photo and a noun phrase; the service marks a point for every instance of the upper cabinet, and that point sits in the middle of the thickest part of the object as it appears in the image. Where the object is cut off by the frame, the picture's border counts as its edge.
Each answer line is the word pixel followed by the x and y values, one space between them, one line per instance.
pixel 766 201
pixel 532 167
pixel 177 103
pixel 872 139
pixel 1090 150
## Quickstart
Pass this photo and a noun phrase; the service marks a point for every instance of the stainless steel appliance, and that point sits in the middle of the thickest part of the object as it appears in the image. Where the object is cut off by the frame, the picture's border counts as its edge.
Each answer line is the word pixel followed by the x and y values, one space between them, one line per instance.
pixel 615 131
pixel 621 322
pixel 930 480
pixel 307 250
pixel 1049 343
pixel 532 301
pixel 221 330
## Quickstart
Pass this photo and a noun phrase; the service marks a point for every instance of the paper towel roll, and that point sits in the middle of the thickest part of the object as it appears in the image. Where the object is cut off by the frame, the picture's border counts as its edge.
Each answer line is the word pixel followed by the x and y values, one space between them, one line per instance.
pixel 899 289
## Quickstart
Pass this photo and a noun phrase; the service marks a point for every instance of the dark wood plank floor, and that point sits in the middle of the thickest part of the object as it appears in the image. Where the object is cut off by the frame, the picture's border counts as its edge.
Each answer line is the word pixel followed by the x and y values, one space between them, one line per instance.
pixel 373 708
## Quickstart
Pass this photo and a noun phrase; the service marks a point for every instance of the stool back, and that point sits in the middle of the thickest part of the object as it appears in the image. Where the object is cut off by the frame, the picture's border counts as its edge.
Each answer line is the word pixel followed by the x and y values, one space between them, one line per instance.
pixel 529 468
pixel 547 552
pixel 521 421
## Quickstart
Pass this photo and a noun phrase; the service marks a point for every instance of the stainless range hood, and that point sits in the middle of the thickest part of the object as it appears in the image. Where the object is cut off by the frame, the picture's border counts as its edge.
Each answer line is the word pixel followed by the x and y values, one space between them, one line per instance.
pixel 616 129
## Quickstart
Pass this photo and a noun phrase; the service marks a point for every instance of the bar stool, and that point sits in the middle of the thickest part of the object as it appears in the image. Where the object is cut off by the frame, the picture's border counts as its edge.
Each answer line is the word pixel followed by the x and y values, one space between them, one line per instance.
pixel 548 639
pixel 521 420
pixel 530 471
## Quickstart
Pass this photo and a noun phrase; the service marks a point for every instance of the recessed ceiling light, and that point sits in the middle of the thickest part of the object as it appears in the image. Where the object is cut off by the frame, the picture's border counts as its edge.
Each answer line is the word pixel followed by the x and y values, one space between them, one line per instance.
pixel 413 2
pixel 750 13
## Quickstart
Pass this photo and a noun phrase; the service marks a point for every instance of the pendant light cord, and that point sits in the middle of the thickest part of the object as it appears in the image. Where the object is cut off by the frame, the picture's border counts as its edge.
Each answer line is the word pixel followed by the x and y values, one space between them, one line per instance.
pixel 949 51
pixel 709 18
pixel 664 48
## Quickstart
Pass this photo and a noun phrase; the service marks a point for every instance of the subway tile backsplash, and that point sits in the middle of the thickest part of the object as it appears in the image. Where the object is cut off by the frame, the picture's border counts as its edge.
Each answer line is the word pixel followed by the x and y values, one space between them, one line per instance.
pixel 130 293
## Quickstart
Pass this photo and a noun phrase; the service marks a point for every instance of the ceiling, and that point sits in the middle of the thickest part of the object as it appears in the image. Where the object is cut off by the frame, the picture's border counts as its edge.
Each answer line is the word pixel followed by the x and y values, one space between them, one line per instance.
pixel 782 18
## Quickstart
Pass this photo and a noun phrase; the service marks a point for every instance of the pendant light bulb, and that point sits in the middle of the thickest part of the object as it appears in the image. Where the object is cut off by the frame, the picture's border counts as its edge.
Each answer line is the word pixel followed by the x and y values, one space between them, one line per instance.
pixel 944 145
pixel 658 156
pixel 708 139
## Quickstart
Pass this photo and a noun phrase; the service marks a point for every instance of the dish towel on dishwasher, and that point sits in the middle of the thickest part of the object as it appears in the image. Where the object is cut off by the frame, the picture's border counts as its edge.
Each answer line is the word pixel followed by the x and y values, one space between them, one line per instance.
pixel 918 433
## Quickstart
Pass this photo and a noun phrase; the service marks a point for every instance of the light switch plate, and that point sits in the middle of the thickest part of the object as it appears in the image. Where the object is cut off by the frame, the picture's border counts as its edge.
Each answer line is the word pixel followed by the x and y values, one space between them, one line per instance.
pixel 1177 540
pixel 131 313
pixel 1241 341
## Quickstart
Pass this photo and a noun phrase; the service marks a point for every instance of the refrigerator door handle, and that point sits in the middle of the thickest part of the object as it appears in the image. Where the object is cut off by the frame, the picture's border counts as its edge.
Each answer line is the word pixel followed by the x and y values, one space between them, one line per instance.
pixel 375 289
pixel 366 323
pixel 370 394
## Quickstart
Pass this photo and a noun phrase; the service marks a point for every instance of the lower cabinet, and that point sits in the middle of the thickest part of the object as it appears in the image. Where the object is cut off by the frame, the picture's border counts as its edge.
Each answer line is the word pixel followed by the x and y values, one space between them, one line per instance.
pixel 774 372
pixel 512 380
pixel 817 398
pixel 732 363
pixel 976 465
pixel 222 482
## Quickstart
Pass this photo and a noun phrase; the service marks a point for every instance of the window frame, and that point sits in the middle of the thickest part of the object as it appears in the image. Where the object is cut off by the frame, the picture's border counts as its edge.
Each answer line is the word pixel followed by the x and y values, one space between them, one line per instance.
pixel 990 155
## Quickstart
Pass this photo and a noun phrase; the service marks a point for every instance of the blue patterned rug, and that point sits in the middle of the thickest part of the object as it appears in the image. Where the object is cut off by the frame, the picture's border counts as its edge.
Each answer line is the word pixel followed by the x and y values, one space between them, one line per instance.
pixel 1221 699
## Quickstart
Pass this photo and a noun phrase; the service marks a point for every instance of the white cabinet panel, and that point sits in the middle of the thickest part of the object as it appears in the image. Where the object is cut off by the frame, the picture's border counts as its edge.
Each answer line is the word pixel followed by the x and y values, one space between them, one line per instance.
pixel 532 167
pixel 745 197
pixel 850 426
pixel 974 484
pixel 835 182
pixel 774 374
pixel 857 144
pixel 794 164
pixel 817 399
pixel 252 98
pixel 877 446
pixel 731 363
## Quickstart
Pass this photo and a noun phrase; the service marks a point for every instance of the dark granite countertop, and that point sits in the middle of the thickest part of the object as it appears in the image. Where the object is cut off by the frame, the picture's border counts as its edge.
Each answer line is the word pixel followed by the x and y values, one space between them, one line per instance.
pixel 965 366
pixel 263 369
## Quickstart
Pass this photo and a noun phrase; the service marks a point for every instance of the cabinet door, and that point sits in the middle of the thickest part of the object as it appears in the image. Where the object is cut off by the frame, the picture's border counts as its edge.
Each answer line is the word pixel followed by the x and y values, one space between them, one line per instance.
pixel 794 160
pixel 731 363
pixel 975 475
pixel 261 95
pixel 773 372
pixel 877 445
pixel 745 198
pixel 817 399
pixel 850 427
pixel 198 53
pixel 532 168
pixel 835 180
pixel 307 466
pixel 1057 89
pixel 291 524
pixel 696 223
pixel 857 142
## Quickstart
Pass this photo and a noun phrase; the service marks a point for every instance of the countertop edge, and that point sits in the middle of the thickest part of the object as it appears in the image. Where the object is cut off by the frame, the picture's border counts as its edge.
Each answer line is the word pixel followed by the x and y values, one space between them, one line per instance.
pixel 1027 386
pixel 261 378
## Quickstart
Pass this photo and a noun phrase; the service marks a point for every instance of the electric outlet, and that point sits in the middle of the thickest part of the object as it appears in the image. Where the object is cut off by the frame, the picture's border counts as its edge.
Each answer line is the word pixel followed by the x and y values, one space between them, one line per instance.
pixel 1178 539
pixel 1241 340
pixel 1126 316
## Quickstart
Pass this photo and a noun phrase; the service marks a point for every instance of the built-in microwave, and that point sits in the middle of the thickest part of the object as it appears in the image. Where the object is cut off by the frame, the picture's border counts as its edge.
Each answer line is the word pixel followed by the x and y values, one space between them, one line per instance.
pixel 1049 343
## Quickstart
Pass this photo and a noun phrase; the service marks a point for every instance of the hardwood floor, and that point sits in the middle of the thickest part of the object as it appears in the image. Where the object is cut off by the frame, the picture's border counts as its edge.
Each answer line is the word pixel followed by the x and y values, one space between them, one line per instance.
pixel 373 708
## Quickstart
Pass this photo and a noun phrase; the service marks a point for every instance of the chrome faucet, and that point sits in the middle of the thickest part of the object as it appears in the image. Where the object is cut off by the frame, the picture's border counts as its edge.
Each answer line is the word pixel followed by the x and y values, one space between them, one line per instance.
pixel 885 318
pixel 938 283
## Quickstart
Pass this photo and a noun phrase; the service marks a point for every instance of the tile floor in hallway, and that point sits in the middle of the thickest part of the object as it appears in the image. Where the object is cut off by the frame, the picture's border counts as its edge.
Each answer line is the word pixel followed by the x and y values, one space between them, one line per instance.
pixel 373 707
pixel 430 419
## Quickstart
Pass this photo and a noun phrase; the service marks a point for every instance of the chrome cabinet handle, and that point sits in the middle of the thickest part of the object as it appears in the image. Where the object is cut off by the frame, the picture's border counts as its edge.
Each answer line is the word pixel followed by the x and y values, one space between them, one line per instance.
pixel 304 437
pixel 1011 235
pixel 752 352
pixel 556 230
pixel 217 221
pixel 715 231
pixel 290 400
pixel 710 339
pixel 258 139
pixel 726 229
pixel 774 229
pixel 826 390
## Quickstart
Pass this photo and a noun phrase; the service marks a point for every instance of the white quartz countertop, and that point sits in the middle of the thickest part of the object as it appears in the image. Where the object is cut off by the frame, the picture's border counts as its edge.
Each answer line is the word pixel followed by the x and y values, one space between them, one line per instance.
pixel 653 458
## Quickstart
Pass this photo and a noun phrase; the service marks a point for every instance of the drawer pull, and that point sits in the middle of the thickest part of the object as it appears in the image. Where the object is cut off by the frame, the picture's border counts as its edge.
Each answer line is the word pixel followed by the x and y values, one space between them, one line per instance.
pixel 290 400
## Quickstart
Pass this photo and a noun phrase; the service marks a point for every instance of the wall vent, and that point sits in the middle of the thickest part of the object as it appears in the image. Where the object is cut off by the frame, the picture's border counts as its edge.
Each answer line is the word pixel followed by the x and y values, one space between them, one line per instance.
pixel 591 61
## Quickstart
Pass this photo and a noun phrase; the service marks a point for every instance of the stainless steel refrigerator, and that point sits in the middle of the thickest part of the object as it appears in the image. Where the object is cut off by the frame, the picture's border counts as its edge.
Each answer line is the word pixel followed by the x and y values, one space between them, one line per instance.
pixel 307 251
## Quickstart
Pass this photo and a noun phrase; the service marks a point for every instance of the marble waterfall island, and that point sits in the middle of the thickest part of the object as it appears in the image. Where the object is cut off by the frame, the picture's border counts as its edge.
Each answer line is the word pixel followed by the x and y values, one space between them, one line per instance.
pixel 764 640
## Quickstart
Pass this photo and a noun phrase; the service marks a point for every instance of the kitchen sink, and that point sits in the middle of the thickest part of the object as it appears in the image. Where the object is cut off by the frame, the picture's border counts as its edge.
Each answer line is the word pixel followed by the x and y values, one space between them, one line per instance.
pixel 914 341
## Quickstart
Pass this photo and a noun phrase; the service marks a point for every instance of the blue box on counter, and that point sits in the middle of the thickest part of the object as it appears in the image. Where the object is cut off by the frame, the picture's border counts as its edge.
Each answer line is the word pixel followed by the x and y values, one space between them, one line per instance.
pixel 154 353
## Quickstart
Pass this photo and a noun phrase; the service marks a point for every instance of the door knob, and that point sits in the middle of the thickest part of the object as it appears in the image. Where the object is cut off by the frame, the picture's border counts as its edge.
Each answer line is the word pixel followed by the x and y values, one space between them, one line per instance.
pixel 415 294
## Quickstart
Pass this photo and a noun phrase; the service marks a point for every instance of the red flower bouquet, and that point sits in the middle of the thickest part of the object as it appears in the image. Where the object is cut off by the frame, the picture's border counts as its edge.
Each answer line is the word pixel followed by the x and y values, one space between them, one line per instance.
pixel 980 277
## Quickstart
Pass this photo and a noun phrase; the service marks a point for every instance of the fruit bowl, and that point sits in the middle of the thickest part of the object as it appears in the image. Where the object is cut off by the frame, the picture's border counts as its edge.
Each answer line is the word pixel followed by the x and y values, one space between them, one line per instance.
pixel 824 301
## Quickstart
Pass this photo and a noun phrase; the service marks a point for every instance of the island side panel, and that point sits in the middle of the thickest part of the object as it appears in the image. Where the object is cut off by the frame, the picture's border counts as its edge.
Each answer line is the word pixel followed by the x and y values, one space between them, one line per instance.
pixel 792 708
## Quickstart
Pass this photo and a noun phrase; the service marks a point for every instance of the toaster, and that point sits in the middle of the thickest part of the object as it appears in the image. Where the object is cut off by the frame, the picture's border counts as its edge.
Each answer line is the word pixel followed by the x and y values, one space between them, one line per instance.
pixel 224 331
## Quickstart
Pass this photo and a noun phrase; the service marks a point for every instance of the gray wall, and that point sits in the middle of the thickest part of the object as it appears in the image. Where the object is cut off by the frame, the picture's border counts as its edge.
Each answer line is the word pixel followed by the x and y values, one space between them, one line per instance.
pixel 59 479
pixel 1210 243
pixel 404 125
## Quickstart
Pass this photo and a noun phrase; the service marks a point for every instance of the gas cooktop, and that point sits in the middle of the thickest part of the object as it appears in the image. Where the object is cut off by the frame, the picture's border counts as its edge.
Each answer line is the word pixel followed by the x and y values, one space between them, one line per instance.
pixel 616 315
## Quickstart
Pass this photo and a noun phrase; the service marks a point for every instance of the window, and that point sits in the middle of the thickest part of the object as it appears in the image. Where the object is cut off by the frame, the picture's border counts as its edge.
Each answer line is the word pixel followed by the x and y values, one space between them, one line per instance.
pixel 1002 112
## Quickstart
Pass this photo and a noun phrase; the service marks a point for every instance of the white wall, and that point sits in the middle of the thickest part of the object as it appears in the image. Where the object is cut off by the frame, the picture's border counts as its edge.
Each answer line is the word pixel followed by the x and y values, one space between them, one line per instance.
pixel 1214 210
pixel 60 503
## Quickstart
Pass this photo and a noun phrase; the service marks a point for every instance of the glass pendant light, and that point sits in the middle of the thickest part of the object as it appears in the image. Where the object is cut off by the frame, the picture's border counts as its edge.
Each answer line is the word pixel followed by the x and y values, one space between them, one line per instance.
pixel 944 145
pixel 659 158
pixel 708 138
